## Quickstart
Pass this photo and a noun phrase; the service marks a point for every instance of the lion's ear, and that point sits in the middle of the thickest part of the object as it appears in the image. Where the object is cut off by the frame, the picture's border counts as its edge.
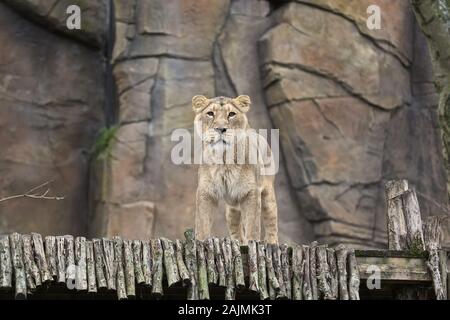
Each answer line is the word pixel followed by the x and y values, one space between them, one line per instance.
pixel 199 102
pixel 243 103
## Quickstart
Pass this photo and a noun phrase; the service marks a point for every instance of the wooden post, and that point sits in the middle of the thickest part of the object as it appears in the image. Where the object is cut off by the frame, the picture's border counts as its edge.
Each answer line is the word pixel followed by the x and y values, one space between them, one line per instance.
pixel 129 268
pixel 157 252
pixel 353 282
pixel 147 262
pixel 5 263
pixel 286 270
pixel 334 282
pixel 341 261
pixel 69 251
pixel 182 269
pixel 80 260
pixel 170 263
pixel 313 269
pixel 230 290
pixel 118 267
pixel 61 259
pixel 413 220
pixel 32 273
pixel 274 285
pixel 203 290
pixel 307 294
pixel 432 235
pixel 210 264
pixel 99 264
pixel 219 263
pixel 297 272
pixel 39 254
pixel 238 267
pixel 323 273
pixel 444 272
pixel 191 264
pixel 396 225
pixel 50 253
pixel 19 268
pixel 253 266
pixel 137 259
pixel 262 276
pixel 90 261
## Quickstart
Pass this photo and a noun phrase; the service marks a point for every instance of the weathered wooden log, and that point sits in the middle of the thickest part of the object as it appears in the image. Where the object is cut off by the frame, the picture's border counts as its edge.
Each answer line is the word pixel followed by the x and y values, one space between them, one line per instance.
pixel 433 236
pixel 99 264
pixel 334 282
pixel 297 272
pixel 39 255
pixel 286 270
pixel 230 291
pixel 170 263
pixel 396 225
pixel 307 294
pixel 238 266
pixel 313 269
pixel 444 272
pixel 413 220
pixel 262 274
pixel 210 263
pixel 147 262
pixel 341 261
pixel 90 262
pixel 32 273
pixel 203 290
pixel 129 268
pixel 16 245
pixel 137 259
pixel 61 259
pixel 50 253
pixel 182 269
pixel 274 285
pixel 276 258
pixel 110 265
pixel 120 283
pixel 323 273
pixel 157 252
pixel 5 263
pixel 353 281
pixel 219 263
pixel 69 251
pixel 191 264
pixel 80 262
pixel 253 284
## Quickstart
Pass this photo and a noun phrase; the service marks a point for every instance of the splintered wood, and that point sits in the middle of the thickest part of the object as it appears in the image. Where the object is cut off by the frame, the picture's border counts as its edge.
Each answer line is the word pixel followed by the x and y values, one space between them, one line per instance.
pixel 128 267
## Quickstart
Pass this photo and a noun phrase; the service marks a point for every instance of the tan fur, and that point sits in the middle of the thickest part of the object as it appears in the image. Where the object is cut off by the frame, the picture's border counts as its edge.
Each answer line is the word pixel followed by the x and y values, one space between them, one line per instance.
pixel 249 196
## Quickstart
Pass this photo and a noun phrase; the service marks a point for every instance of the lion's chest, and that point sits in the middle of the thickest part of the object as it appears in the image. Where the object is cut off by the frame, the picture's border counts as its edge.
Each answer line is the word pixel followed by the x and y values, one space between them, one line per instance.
pixel 228 184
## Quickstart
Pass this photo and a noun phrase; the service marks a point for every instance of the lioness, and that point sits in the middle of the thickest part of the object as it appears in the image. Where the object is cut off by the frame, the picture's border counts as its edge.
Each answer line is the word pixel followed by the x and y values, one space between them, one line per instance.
pixel 248 193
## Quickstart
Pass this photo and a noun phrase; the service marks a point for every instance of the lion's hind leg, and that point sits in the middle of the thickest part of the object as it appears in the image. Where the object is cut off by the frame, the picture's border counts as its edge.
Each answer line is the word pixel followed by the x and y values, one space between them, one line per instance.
pixel 269 214
pixel 233 217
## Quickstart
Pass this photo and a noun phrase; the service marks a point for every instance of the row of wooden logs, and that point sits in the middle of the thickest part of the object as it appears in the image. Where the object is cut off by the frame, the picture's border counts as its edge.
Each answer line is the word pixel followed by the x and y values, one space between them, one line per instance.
pixel 273 271
pixel 407 231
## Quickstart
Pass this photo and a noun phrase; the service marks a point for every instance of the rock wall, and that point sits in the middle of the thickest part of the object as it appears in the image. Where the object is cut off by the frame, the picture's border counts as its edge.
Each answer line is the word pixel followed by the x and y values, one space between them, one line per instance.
pixel 354 107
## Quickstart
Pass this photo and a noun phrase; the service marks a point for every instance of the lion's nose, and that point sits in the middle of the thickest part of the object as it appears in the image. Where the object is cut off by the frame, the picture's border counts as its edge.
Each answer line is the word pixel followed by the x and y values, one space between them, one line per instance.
pixel 221 130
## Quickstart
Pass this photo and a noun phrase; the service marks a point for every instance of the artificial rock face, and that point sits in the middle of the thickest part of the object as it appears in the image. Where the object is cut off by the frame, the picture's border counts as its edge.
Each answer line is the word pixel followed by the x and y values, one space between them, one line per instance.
pixel 354 107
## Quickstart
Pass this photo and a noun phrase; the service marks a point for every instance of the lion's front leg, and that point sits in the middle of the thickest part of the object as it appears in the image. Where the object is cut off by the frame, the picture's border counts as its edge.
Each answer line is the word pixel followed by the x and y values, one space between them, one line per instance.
pixel 251 215
pixel 206 206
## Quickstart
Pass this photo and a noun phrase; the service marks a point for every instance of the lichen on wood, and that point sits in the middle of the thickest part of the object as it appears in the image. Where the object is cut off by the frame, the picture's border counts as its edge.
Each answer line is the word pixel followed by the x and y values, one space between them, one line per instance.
pixel 297 272
pixel 323 273
pixel 396 225
pixel 203 289
pixel 18 265
pixel 182 269
pixel 137 260
pixel 191 264
pixel 219 263
pixel 80 262
pixel 238 267
pixel 341 261
pixel 40 257
pixel 157 252
pixel 5 263
pixel 313 270
pixel 230 290
pixel 353 281
pixel 334 278
pixel 413 220
pixel 32 273
pixel 286 270
pixel 147 262
pixel 69 250
pixel 128 263
pixel 210 263
pixel 170 263
pixel 50 253
pixel 99 264
pixel 262 274
pixel 274 285
pixel 61 259
pixel 307 294
pixel 253 284
pixel 90 266
pixel 120 283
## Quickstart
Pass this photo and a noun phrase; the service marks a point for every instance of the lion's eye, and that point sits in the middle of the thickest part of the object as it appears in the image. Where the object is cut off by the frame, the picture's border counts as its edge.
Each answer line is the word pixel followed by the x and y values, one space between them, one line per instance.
pixel 210 114
pixel 231 114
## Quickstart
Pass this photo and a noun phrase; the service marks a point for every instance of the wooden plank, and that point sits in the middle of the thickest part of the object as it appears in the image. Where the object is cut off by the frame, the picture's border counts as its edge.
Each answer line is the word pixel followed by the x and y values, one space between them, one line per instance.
pixel 395 268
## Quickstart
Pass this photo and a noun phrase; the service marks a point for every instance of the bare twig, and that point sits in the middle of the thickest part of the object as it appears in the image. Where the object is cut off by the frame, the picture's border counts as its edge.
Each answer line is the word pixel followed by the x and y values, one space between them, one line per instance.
pixel 34 193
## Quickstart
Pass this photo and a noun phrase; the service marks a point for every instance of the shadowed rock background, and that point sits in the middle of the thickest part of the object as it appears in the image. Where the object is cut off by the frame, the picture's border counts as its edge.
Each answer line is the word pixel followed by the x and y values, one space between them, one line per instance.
pixel 354 107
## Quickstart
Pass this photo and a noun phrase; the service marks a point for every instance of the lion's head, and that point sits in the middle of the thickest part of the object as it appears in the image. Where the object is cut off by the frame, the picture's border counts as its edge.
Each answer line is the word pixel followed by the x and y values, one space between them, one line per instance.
pixel 217 119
